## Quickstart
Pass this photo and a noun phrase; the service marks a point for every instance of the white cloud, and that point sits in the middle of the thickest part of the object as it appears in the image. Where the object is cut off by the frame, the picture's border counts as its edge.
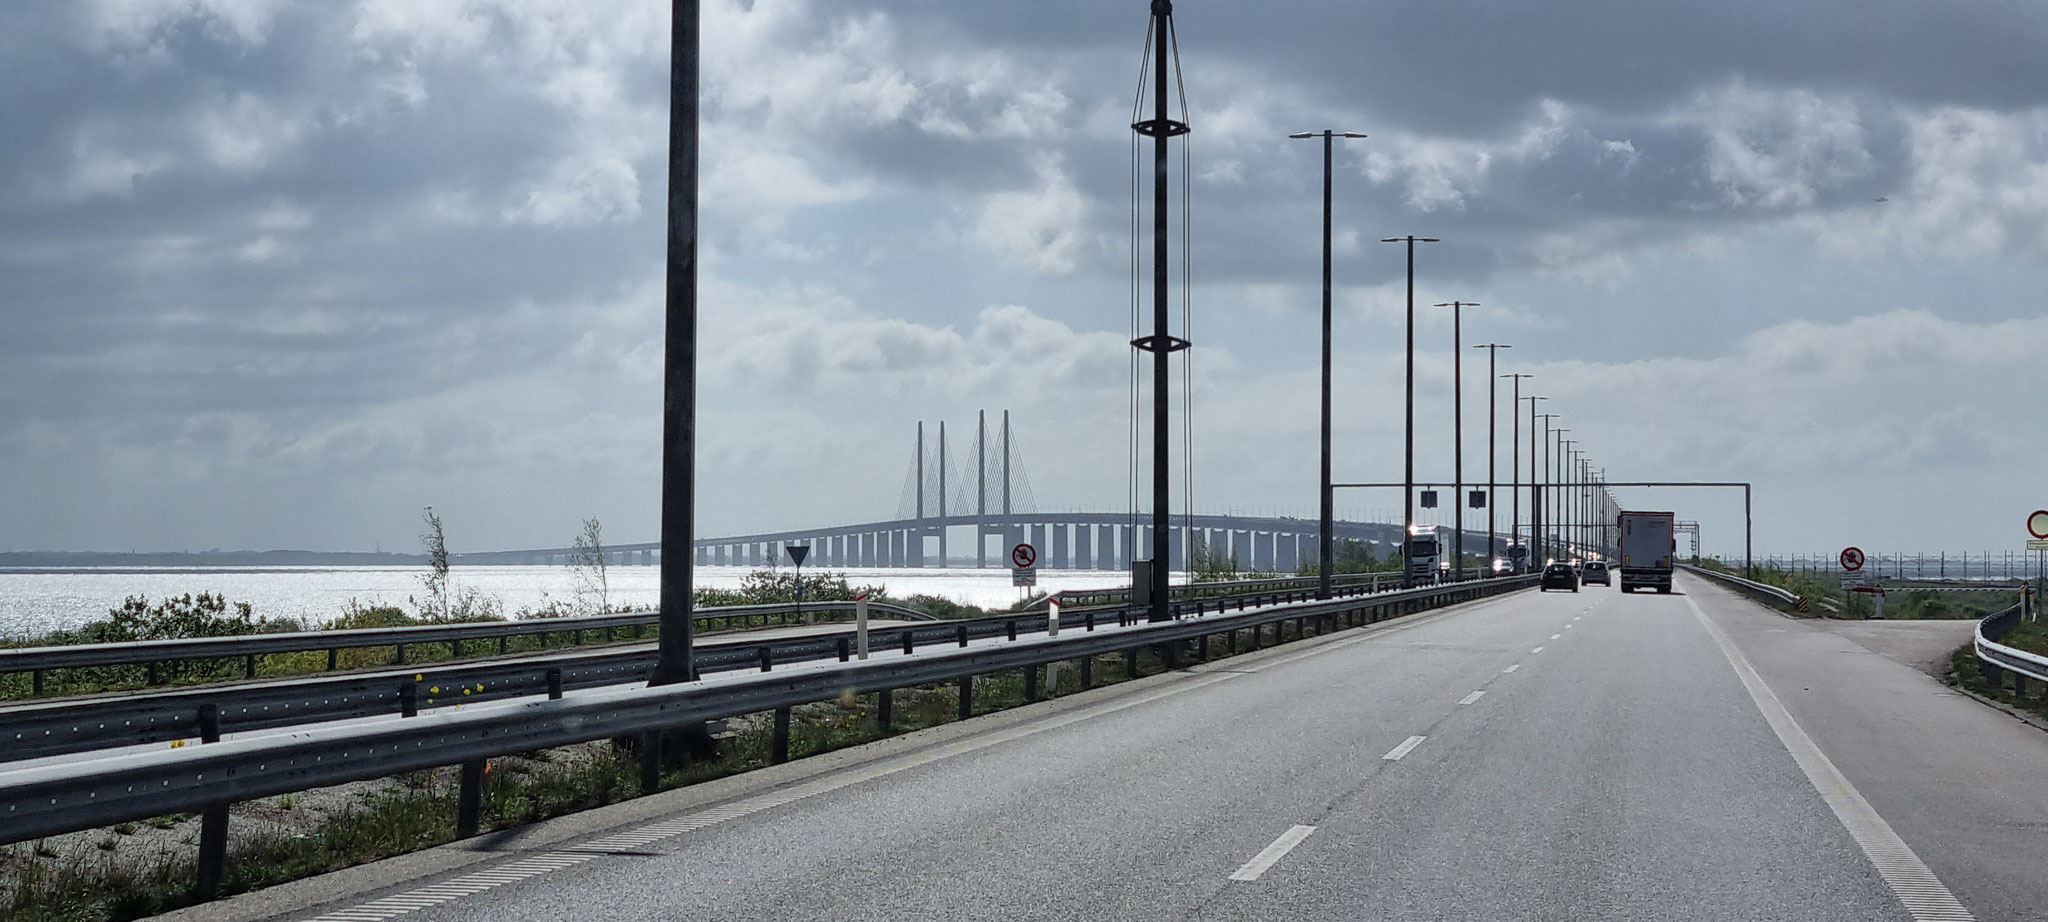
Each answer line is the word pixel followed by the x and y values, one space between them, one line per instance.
pixel 1439 174
pixel 1044 228
pixel 1779 149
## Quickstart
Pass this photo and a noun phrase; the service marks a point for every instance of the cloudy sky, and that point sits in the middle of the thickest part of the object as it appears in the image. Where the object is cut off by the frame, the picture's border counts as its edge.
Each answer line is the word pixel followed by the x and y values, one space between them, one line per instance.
pixel 281 272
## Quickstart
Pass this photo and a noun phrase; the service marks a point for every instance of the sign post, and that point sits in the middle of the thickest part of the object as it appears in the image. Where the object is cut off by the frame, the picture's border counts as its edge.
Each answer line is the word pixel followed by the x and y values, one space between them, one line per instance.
pixel 860 624
pixel 798 552
pixel 1023 564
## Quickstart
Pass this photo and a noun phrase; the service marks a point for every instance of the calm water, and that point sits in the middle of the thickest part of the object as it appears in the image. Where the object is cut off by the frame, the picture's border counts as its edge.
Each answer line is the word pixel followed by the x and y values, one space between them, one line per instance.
pixel 38 601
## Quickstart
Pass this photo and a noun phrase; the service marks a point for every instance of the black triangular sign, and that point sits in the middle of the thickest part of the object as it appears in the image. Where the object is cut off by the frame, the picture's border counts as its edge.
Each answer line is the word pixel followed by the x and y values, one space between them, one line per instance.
pixel 798 552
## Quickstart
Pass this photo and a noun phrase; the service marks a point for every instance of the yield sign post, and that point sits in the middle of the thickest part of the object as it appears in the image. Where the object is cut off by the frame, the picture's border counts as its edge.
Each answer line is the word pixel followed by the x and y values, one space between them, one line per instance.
pixel 798 552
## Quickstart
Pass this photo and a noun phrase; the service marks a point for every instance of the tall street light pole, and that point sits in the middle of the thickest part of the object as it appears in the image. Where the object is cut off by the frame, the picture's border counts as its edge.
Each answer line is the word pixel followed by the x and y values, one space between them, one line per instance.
pixel 1564 513
pixel 676 659
pixel 1458 433
pixel 1492 429
pixel 1408 475
pixel 1569 463
pixel 1535 491
pixel 1327 541
pixel 1543 492
pixel 1515 465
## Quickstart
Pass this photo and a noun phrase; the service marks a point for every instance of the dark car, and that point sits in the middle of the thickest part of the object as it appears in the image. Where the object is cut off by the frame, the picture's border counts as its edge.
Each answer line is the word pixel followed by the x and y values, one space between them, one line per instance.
pixel 1594 572
pixel 1559 576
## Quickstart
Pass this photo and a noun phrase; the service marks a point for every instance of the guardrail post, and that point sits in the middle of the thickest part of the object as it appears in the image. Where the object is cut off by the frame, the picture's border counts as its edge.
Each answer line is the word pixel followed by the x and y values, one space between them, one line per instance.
pixel 1031 683
pixel 1010 628
pixel 845 650
pixel 767 659
pixel 334 658
pixel 1991 673
pixel 501 645
pixel 650 761
pixel 961 633
pixel 966 695
pixel 469 801
pixel 213 819
pixel 156 676
pixel 1088 620
pixel 885 709
pixel 555 683
pixel 401 654
pixel 1131 663
pixel 1087 672
pixel 2019 684
pixel 778 752
pixel 409 699
pixel 249 666
pixel 36 681
pixel 1202 649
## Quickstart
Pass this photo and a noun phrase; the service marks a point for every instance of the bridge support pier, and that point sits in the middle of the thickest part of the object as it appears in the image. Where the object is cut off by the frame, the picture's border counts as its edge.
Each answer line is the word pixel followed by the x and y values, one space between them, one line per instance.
pixel 1084 547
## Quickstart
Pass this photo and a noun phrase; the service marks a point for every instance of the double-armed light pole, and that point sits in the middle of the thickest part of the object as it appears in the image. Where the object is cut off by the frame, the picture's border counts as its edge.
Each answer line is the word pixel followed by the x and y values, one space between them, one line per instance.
pixel 1408 470
pixel 1515 466
pixel 1541 520
pixel 1564 513
pixel 1458 433
pixel 1492 428
pixel 1327 544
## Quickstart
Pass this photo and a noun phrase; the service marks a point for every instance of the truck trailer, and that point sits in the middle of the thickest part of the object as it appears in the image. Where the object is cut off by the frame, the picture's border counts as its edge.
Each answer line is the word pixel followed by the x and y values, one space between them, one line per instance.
pixel 1649 540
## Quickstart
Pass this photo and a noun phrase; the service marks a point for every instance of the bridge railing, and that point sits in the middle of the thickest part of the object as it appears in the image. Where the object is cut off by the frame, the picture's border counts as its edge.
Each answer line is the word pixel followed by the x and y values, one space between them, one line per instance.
pixel 155 654
pixel 86 794
pixel 1996 659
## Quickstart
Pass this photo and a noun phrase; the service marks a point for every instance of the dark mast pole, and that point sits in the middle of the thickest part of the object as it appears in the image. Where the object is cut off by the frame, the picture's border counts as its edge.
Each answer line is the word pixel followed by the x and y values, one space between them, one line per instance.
pixel 676 661
pixel 1161 343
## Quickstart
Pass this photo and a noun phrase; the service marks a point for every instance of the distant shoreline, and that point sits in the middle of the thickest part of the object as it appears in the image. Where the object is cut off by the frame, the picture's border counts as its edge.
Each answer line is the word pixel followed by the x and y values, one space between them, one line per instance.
pixel 69 560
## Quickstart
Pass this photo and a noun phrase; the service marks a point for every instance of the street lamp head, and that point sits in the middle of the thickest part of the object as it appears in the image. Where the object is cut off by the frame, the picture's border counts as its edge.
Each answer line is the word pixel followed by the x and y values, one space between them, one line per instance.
pixel 1493 346
pixel 1409 239
pixel 1351 134
pixel 1306 134
pixel 1457 304
pixel 1334 134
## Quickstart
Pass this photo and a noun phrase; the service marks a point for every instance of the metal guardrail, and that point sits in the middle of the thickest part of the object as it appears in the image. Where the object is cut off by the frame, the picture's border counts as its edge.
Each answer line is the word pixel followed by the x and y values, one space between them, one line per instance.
pixel 41 729
pixel 153 653
pixel 1749 587
pixel 1995 658
pixel 73 796
pixel 145 652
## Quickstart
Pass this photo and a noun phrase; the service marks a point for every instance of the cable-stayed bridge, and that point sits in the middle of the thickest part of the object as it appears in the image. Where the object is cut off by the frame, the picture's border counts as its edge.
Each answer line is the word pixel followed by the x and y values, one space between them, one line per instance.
pixel 984 498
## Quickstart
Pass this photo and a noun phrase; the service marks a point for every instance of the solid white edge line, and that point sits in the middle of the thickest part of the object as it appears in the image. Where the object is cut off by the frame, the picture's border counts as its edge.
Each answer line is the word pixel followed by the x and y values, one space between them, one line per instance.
pixel 1272 854
pixel 1922 894
pixel 1475 696
pixel 1407 746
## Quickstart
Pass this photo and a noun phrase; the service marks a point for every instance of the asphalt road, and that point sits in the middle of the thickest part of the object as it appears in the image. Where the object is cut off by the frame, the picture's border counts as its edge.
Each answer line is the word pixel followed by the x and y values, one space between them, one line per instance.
pixel 1541 756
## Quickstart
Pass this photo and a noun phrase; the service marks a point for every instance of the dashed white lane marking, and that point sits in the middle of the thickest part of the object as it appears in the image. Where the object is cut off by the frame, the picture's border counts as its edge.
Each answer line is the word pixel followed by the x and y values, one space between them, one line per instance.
pixel 1272 853
pixel 1569 627
pixel 1555 636
pixel 1925 897
pixel 1537 650
pixel 1511 668
pixel 1475 696
pixel 1407 746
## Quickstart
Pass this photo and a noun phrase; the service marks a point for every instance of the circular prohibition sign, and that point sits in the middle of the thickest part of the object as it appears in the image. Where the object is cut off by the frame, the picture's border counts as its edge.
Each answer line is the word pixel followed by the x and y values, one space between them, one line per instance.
pixel 1852 559
pixel 2037 524
pixel 1023 556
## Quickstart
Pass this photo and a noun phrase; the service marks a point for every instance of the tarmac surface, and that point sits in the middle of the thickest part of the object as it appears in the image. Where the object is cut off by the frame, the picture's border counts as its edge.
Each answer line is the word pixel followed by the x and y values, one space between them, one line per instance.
pixel 1588 755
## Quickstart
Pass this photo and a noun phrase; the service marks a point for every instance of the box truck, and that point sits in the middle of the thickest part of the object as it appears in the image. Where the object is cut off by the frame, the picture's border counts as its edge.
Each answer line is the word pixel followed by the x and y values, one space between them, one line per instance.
pixel 1648 542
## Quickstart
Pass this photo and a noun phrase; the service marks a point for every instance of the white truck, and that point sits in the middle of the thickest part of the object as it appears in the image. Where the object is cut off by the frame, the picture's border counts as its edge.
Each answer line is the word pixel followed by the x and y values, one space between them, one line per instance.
pixel 1423 554
pixel 1649 540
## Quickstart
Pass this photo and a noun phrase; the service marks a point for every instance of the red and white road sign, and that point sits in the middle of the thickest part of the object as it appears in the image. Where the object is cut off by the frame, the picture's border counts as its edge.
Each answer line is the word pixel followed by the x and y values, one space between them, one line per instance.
pixel 2037 524
pixel 1852 559
pixel 1023 556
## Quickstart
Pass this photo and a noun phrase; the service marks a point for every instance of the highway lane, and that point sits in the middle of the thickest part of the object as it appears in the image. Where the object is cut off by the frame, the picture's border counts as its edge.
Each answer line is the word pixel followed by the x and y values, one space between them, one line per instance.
pixel 1612 765
pixel 1958 780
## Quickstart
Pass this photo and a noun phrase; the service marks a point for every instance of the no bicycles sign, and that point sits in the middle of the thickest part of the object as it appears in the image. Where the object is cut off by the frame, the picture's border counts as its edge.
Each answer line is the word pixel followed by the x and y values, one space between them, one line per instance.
pixel 1852 559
